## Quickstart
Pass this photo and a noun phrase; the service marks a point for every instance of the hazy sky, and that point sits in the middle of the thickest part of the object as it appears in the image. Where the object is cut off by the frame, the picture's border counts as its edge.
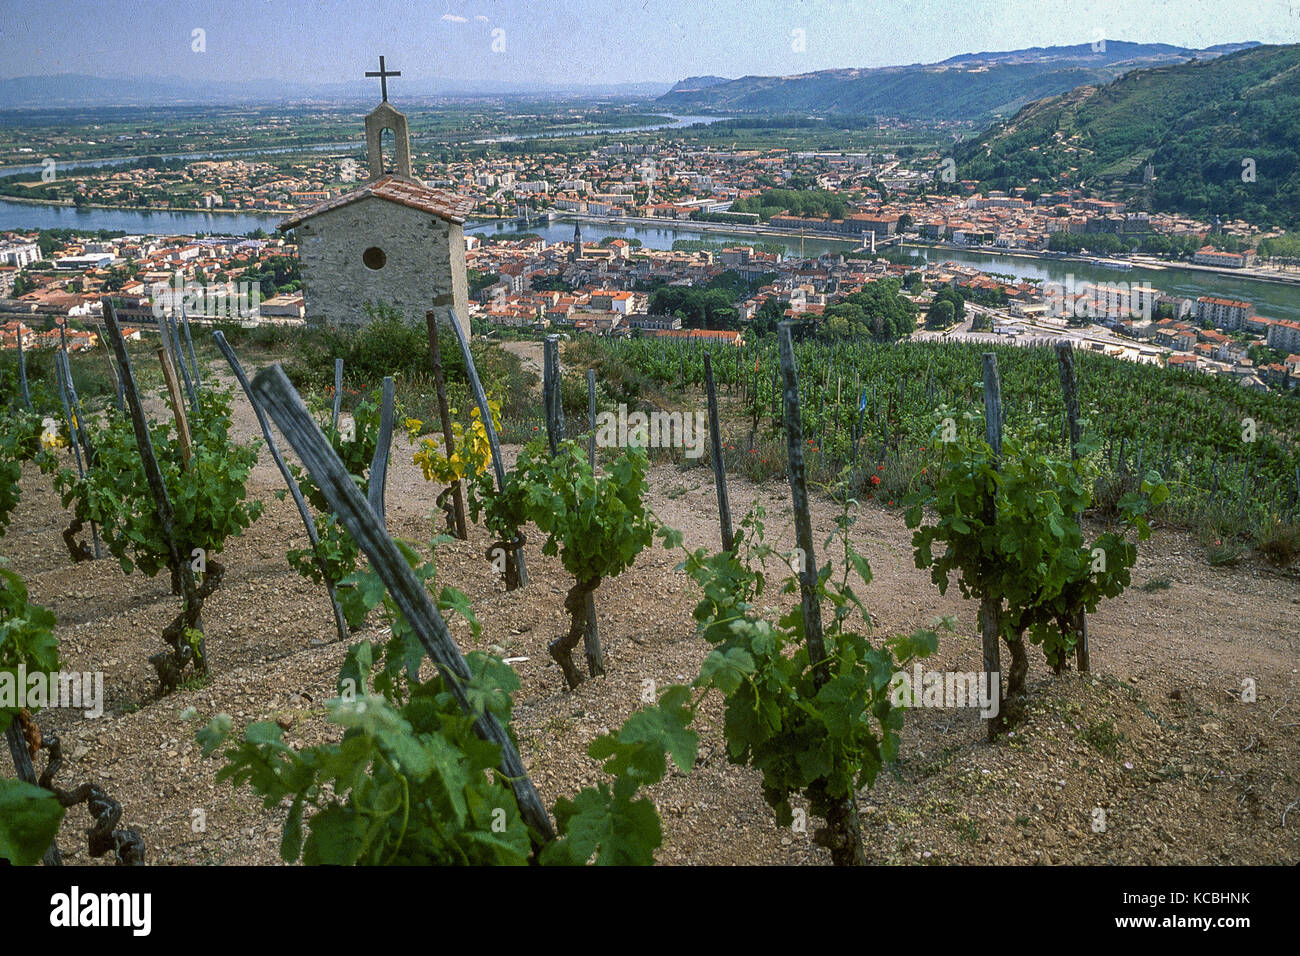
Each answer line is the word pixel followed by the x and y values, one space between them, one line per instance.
pixel 582 41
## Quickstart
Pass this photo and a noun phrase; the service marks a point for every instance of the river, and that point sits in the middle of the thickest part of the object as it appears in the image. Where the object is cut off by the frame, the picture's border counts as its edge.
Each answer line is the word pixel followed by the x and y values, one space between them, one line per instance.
pixel 1275 300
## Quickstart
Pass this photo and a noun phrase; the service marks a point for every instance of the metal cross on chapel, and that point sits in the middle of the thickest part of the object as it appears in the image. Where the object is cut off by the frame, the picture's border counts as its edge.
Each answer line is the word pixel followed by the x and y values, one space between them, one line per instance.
pixel 383 75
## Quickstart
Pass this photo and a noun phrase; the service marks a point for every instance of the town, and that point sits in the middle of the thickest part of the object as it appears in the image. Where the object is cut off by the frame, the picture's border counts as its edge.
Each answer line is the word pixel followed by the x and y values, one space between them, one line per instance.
pixel 619 287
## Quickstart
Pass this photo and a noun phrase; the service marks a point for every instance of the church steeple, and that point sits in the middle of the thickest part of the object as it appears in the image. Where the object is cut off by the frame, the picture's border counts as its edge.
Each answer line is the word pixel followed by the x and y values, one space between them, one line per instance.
pixel 576 254
pixel 382 117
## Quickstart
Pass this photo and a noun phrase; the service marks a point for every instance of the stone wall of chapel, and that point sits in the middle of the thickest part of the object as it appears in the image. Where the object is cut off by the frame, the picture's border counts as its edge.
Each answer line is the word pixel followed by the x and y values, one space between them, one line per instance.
pixel 424 263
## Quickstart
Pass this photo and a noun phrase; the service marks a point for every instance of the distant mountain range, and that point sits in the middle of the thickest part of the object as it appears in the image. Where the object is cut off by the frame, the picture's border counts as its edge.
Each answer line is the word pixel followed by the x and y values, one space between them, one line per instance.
pixel 972 86
pixel 1221 137
pixel 80 90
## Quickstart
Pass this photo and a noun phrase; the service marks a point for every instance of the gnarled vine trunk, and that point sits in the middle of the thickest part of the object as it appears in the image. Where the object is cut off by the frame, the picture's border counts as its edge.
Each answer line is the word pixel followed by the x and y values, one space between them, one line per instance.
pixel 170 665
pixel 575 602
pixel 1019 665
pixel 77 550
pixel 842 834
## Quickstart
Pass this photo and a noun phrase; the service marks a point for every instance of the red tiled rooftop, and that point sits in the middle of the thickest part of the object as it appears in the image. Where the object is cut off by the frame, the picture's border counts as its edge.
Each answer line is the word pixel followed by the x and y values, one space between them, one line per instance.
pixel 438 202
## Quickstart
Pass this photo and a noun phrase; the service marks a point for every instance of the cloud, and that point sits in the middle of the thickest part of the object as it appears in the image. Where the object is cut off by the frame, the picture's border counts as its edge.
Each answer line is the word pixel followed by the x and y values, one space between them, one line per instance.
pixel 480 18
pixel 453 18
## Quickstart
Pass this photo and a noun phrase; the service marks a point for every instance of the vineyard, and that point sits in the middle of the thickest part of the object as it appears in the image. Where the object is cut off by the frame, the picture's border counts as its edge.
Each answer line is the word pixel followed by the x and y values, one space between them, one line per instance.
pixel 363 648
pixel 1231 457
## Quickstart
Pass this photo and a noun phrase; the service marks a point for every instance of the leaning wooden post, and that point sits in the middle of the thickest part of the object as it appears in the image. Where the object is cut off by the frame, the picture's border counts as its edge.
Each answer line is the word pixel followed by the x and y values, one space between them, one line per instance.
pixel 77 423
pixel 173 341
pixel 189 344
pixel 383 448
pixel 991 604
pixel 516 568
pixel 22 367
pixel 338 392
pixel 153 474
pixel 552 401
pixel 1070 391
pixel 273 392
pixel 177 403
pixel 67 413
pixel 444 413
pixel 719 468
pixel 843 828
pixel 340 622
pixel 591 419
pixel 117 382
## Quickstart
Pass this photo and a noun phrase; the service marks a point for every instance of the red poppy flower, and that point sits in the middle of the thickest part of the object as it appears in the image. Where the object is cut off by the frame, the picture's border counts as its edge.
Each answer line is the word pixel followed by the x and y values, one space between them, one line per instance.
pixel 880 468
pixel 891 504
pixel 875 479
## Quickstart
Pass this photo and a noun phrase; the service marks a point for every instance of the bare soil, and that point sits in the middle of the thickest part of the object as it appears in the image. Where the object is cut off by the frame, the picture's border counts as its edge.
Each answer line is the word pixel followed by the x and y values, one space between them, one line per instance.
pixel 1152 758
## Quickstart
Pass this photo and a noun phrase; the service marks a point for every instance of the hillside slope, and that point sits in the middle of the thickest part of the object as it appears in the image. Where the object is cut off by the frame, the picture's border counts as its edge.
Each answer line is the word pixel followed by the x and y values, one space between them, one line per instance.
pixel 973 86
pixel 1195 123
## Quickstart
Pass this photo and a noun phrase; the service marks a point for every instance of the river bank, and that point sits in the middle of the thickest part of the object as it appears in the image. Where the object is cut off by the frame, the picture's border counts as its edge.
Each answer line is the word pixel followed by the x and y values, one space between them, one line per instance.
pixel 1275 297
pixel 177 209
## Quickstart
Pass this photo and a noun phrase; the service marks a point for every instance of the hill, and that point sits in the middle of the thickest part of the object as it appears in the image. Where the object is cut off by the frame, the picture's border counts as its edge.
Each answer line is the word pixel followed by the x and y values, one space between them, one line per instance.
pixel 1195 123
pixel 972 86
pixel 693 83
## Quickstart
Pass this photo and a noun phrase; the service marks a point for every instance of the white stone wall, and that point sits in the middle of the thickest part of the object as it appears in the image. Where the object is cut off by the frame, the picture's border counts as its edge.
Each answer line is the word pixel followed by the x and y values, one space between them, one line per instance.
pixel 424 265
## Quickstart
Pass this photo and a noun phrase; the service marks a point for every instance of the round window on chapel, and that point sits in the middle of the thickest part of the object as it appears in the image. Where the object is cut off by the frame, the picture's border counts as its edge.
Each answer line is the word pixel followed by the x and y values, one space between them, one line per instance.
pixel 374 258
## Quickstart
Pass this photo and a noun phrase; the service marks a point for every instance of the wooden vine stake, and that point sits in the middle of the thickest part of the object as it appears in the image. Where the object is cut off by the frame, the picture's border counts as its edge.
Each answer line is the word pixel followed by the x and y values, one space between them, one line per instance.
pixel 383 448
pixel 991 605
pixel 191 616
pixel 444 414
pixel 77 422
pixel 189 344
pixel 273 392
pixel 719 468
pixel 76 549
pixel 340 622
pixel 177 403
pixel 172 339
pixel 591 419
pixel 67 408
pixel 552 401
pixel 844 833
pixel 338 392
pixel 1070 391
pixel 516 568
pixel 22 367
pixel 118 397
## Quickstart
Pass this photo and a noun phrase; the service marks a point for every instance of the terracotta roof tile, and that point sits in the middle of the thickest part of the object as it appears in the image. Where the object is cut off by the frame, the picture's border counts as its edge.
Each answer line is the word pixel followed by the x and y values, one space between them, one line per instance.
pixel 438 202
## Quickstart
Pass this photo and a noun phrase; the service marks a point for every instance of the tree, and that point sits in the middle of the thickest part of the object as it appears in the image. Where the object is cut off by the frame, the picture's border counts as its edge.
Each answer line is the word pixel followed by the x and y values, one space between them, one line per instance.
pixel 955 299
pixel 878 312
pixel 941 315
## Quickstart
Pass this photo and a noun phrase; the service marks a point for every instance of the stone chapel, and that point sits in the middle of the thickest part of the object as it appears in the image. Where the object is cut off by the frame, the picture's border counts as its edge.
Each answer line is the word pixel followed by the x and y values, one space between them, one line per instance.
pixel 393 240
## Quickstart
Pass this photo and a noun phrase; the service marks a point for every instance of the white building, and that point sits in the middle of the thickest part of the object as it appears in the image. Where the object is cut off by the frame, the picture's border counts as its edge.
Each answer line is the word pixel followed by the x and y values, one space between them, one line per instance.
pixel 20 253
